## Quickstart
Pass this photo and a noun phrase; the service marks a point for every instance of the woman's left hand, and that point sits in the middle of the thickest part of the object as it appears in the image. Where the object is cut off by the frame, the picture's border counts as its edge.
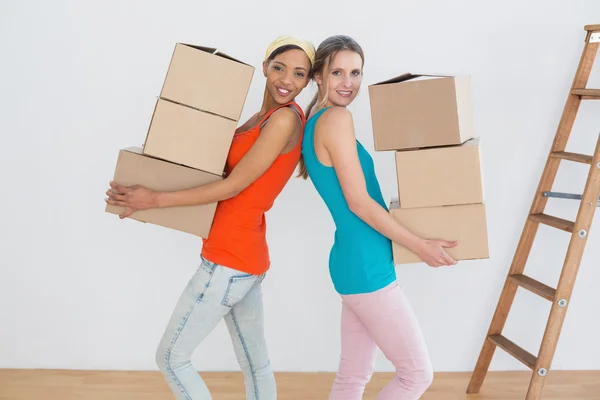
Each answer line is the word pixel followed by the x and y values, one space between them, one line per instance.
pixel 133 198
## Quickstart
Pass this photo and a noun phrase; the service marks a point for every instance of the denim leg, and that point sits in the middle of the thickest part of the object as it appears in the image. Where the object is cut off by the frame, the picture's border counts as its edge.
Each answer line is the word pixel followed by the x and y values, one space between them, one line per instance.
pixel 201 306
pixel 246 327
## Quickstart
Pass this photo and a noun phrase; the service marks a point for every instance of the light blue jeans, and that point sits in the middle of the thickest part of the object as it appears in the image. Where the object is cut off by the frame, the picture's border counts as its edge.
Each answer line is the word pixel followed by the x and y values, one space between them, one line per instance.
pixel 216 292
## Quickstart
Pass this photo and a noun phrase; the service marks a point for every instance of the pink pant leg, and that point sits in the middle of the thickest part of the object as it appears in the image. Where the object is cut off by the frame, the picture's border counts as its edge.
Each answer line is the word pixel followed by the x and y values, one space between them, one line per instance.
pixel 357 360
pixel 391 323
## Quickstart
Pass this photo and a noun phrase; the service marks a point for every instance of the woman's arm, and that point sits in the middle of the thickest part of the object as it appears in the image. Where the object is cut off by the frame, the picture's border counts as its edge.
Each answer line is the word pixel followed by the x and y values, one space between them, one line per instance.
pixel 273 138
pixel 337 129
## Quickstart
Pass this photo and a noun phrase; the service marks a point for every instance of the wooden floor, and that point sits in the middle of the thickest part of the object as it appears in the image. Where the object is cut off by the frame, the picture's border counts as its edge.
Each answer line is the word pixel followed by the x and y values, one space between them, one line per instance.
pixel 96 385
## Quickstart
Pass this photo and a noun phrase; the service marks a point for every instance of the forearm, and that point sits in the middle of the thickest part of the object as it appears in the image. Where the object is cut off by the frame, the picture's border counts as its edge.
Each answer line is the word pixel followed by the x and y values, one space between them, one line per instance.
pixel 379 219
pixel 205 194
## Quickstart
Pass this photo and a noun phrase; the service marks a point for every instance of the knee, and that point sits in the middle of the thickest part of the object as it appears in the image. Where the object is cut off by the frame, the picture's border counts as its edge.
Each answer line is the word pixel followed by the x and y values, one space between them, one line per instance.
pixel 264 369
pixel 425 378
pixel 419 380
pixel 161 358
pixel 263 375
pixel 167 362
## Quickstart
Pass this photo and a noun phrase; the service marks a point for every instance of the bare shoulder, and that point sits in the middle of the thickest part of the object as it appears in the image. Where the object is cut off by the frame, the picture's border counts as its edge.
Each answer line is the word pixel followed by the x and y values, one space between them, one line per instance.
pixel 336 115
pixel 285 117
pixel 336 123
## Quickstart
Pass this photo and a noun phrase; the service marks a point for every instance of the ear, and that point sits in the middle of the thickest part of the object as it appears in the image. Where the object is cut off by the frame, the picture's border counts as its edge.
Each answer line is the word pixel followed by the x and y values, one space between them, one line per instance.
pixel 265 65
pixel 319 79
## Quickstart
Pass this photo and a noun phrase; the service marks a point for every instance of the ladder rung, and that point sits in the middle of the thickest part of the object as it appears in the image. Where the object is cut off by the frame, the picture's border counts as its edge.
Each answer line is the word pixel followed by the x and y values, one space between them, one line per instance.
pixel 593 94
pixel 555 222
pixel 571 196
pixel 564 155
pixel 517 352
pixel 560 195
pixel 534 286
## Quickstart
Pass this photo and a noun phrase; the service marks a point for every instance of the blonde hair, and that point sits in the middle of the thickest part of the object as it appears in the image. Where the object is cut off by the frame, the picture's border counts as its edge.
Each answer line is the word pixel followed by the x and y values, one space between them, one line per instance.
pixel 327 50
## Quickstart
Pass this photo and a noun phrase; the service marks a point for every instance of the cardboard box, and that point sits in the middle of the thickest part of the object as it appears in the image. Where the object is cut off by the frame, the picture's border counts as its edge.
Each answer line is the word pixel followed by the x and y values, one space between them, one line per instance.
pixel 412 111
pixel 208 80
pixel 189 137
pixel 465 223
pixel 440 176
pixel 134 168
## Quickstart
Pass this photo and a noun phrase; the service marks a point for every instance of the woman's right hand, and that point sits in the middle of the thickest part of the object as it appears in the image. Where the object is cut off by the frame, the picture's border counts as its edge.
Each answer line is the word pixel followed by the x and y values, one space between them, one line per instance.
pixel 433 252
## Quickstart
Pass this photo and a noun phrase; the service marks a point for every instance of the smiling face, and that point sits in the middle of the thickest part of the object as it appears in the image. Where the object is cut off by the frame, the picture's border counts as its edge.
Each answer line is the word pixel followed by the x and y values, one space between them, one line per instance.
pixel 344 77
pixel 287 74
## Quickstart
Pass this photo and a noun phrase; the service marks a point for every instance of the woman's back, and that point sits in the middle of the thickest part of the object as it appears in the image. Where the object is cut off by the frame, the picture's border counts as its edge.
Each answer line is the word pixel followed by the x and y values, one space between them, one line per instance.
pixel 361 258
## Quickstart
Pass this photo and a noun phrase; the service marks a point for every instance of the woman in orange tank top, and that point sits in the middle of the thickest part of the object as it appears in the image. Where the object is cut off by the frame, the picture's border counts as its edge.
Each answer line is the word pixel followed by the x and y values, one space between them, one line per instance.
pixel 262 158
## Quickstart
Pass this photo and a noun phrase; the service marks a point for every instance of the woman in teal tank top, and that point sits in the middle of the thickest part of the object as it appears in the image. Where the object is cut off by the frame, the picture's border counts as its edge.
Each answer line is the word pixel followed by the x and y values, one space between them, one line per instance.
pixel 375 312
pixel 361 258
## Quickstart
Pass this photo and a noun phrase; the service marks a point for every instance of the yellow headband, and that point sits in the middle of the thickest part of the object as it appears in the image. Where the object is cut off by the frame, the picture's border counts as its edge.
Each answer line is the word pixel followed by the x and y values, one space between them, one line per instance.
pixel 285 40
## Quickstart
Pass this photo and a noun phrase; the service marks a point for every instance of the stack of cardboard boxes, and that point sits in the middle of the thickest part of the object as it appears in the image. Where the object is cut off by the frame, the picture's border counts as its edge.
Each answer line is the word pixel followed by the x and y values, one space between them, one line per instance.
pixel 190 134
pixel 428 121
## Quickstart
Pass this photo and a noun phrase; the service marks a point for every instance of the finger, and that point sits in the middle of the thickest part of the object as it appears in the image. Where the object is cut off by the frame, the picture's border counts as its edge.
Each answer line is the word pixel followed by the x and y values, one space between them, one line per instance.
pixel 443 258
pixel 116 203
pixel 451 244
pixel 452 260
pixel 119 188
pixel 448 260
pixel 115 196
pixel 127 213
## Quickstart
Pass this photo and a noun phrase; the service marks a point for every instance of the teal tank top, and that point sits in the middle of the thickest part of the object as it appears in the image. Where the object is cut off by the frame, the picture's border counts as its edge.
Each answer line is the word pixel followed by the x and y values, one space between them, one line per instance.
pixel 361 259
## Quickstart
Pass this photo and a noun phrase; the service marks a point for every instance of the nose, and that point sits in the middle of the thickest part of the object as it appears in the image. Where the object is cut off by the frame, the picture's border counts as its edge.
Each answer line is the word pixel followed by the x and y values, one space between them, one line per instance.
pixel 287 78
pixel 347 81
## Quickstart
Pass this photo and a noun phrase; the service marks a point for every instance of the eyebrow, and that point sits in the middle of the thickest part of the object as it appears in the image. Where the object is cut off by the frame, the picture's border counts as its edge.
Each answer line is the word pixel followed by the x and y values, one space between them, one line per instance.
pixel 344 69
pixel 279 62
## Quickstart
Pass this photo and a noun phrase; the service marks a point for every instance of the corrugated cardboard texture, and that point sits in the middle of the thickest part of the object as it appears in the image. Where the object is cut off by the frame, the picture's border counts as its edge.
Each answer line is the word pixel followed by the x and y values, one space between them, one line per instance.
pixel 215 83
pixel 413 111
pixel 190 137
pixel 134 168
pixel 440 176
pixel 465 223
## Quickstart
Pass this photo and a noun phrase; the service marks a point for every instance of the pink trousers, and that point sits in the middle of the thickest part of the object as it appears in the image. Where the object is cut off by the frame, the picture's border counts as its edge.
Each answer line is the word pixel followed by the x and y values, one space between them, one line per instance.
pixel 381 319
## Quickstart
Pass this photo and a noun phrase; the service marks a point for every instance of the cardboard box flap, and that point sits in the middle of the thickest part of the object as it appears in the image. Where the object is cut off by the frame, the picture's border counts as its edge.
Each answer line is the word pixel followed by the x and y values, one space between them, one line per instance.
pixel 408 76
pixel 472 142
pixel 468 143
pixel 133 149
pixel 213 51
pixel 400 78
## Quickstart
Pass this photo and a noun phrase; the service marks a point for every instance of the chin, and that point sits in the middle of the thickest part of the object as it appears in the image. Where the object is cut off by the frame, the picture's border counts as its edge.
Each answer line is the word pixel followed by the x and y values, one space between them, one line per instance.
pixel 342 102
pixel 281 99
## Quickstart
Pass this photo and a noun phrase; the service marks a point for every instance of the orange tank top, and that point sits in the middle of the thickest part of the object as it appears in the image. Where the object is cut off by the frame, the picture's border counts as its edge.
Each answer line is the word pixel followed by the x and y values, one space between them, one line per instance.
pixel 237 237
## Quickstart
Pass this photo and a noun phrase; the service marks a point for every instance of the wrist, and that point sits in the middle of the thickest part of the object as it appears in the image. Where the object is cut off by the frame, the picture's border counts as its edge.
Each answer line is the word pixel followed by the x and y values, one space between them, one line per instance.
pixel 416 244
pixel 158 199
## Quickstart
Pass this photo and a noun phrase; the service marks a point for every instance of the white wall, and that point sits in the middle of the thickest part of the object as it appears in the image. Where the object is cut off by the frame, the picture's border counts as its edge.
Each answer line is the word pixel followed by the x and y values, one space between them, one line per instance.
pixel 81 289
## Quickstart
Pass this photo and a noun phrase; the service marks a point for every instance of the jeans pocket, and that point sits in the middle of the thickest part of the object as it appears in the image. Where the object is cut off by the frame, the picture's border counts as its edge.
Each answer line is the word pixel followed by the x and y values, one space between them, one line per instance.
pixel 237 288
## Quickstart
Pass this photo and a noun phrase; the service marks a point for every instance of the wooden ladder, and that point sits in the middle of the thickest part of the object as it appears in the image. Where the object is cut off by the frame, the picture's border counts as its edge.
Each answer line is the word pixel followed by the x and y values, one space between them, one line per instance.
pixel 579 231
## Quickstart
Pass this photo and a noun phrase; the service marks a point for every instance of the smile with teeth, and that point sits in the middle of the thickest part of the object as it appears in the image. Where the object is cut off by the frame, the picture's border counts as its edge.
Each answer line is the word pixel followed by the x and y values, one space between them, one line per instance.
pixel 344 93
pixel 283 92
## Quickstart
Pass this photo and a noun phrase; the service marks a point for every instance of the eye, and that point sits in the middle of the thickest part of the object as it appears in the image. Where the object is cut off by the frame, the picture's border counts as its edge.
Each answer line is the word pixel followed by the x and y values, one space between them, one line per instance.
pixel 356 72
pixel 335 73
pixel 300 74
pixel 277 68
